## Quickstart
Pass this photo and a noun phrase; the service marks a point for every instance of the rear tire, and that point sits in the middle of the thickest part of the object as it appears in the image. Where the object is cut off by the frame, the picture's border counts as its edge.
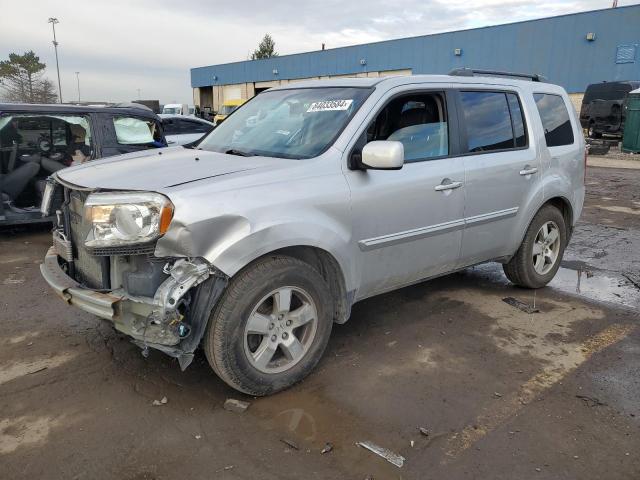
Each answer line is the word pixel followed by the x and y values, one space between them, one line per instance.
pixel 270 327
pixel 538 258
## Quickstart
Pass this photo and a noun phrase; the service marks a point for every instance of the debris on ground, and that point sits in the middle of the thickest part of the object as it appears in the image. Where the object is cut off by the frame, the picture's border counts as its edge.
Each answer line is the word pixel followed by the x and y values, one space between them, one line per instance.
pixel 424 431
pixel 36 371
pixel 525 307
pixel 633 278
pixel 412 443
pixel 290 443
pixel 224 469
pixel 157 403
pixel 197 437
pixel 497 395
pixel 327 448
pixel 388 455
pixel 591 401
pixel 237 406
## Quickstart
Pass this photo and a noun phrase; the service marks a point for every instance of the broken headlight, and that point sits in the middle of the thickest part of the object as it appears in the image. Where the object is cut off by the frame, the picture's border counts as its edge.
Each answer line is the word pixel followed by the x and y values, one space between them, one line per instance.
pixel 126 218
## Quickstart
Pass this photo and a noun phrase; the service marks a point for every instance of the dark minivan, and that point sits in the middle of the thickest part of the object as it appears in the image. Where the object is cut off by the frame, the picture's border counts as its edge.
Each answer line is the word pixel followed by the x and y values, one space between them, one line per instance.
pixel 603 107
pixel 38 140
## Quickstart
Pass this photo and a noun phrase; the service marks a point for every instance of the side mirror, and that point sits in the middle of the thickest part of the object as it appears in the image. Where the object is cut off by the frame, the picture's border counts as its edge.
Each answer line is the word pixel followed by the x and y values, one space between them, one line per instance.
pixel 383 155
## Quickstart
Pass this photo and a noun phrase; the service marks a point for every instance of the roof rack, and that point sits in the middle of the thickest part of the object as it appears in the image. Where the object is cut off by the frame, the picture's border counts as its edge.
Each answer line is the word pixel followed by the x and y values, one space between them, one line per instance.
pixel 131 105
pixel 472 72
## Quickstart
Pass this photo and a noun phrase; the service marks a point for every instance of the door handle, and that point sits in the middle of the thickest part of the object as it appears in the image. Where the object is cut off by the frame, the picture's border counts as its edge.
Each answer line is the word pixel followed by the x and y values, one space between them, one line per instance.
pixel 528 170
pixel 447 186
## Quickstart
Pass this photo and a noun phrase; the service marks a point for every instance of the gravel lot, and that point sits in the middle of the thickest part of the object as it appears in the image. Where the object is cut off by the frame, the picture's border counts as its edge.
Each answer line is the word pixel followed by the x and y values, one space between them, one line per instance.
pixel 502 393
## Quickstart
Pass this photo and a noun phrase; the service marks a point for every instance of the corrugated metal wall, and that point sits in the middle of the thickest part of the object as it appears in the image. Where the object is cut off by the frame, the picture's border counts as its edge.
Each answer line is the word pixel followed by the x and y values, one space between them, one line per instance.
pixel 557 47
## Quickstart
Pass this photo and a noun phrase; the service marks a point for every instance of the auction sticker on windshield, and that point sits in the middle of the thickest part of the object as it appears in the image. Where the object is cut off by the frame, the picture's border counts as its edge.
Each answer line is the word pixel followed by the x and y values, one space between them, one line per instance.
pixel 329 105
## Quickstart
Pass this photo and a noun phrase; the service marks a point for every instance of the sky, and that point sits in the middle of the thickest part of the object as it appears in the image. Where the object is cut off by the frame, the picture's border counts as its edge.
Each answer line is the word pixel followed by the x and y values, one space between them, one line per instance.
pixel 120 46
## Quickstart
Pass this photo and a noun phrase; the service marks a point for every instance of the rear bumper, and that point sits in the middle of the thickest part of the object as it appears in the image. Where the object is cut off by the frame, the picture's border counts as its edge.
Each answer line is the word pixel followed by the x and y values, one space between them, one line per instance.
pixel 103 305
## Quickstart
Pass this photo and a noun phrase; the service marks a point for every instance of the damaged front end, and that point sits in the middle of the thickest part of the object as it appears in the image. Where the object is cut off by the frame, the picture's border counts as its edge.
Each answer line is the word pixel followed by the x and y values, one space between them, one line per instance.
pixel 162 303
pixel 173 320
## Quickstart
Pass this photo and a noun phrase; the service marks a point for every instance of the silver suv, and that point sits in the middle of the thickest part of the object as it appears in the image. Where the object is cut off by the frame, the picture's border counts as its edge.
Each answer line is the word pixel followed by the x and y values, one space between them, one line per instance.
pixel 309 198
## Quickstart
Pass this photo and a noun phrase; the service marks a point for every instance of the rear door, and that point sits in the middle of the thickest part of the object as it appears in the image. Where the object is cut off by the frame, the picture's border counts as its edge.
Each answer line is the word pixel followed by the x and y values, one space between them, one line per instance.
pixel 130 133
pixel 501 167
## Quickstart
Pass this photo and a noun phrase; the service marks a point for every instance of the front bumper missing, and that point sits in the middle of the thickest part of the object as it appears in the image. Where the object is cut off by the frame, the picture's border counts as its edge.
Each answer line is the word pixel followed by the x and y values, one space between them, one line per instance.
pixel 103 305
pixel 149 322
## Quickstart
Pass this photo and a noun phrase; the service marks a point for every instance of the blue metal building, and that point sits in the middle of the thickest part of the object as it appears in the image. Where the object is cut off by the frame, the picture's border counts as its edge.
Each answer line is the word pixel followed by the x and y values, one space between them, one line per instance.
pixel 571 50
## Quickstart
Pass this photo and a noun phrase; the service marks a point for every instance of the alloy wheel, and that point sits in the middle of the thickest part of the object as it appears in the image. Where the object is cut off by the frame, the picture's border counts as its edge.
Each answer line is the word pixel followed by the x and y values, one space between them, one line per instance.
pixel 280 329
pixel 546 248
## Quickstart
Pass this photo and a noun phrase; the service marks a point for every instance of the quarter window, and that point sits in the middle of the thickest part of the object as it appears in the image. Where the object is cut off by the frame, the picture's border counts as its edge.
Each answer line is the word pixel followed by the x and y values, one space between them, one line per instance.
pixel 555 119
pixel 487 121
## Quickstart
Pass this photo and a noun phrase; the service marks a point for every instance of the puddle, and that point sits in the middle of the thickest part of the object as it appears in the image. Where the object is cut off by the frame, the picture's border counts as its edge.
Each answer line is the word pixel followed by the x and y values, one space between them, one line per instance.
pixel 596 286
pixel 593 285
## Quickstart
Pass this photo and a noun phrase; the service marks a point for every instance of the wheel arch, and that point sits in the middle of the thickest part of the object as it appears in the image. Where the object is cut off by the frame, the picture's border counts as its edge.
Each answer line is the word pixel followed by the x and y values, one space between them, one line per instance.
pixel 325 249
pixel 327 265
pixel 561 203
pixel 564 205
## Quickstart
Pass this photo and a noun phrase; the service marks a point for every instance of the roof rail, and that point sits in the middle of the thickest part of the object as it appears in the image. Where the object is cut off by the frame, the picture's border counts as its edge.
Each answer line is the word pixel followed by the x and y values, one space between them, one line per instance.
pixel 131 105
pixel 472 72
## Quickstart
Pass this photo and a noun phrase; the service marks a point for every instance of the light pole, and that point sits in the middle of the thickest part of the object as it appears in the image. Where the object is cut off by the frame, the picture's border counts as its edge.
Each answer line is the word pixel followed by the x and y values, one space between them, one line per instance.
pixel 78 79
pixel 53 21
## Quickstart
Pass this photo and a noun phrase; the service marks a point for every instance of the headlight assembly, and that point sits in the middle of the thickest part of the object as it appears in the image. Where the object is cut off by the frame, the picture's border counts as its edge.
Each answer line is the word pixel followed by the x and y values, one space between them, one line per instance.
pixel 126 218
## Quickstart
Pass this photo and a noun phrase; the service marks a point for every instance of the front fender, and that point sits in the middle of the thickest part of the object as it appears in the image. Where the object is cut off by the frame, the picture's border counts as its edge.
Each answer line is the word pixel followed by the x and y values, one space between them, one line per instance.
pixel 257 243
pixel 230 242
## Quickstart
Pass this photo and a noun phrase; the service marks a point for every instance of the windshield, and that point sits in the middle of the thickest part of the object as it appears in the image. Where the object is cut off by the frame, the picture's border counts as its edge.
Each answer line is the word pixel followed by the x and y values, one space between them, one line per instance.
pixel 298 123
pixel 172 111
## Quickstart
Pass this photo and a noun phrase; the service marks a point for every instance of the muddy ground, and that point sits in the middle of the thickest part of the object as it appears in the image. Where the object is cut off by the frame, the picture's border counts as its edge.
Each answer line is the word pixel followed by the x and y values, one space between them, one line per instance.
pixel 503 394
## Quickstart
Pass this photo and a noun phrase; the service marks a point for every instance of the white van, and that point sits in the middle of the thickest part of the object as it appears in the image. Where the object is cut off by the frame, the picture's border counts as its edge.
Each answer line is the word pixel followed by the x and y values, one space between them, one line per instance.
pixel 176 109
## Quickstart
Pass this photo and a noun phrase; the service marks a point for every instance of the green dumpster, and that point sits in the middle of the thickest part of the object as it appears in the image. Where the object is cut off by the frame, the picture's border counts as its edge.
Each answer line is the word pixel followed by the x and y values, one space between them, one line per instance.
pixel 631 138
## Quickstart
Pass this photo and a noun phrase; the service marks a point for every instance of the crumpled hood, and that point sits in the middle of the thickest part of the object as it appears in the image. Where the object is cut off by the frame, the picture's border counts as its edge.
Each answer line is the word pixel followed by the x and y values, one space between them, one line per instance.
pixel 163 168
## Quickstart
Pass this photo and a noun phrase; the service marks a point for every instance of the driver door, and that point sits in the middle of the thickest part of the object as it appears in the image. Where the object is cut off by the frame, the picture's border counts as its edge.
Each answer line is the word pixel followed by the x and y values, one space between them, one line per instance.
pixel 408 223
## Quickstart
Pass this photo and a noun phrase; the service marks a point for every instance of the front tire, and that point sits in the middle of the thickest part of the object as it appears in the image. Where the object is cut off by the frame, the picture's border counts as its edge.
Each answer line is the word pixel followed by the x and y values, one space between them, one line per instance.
pixel 270 327
pixel 538 258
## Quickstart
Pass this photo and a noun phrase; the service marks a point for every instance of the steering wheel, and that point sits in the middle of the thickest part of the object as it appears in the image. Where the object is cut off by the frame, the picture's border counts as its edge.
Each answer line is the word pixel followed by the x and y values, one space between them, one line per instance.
pixel 44 145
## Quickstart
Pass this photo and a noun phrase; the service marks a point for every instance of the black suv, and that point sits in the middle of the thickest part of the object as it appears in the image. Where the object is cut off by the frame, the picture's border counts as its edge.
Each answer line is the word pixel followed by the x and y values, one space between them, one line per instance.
pixel 38 140
pixel 603 107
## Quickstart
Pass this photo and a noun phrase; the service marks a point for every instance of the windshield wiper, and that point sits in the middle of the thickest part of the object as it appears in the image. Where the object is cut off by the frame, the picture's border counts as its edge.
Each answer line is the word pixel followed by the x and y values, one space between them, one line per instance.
pixel 240 153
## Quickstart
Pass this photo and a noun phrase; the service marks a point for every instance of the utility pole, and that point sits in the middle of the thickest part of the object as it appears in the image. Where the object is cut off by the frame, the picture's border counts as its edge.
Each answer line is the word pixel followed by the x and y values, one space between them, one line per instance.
pixel 78 79
pixel 53 21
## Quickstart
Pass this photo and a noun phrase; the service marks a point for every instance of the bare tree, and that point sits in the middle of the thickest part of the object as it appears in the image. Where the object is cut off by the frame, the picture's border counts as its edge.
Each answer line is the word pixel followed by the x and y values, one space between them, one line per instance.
pixel 266 48
pixel 21 80
pixel 46 92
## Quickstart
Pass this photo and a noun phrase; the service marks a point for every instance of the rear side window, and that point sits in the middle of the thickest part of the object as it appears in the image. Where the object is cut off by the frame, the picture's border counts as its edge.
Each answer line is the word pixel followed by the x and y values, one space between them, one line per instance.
pixel 136 131
pixel 170 126
pixel 190 126
pixel 555 119
pixel 493 121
